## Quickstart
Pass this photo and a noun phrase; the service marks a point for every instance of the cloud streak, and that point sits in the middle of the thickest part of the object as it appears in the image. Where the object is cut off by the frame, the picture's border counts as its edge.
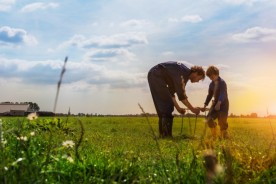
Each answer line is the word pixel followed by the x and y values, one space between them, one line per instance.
pixel 14 36
pixel 256 34
pixel 187 18
pixel 38 6
pixel 115 41
pixel 47 72
pixel 5 5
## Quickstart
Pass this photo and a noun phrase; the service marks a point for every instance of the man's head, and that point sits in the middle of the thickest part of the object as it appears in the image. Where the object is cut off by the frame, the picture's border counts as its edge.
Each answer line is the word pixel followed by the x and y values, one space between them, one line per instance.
pixel 197 74
pixel 213 73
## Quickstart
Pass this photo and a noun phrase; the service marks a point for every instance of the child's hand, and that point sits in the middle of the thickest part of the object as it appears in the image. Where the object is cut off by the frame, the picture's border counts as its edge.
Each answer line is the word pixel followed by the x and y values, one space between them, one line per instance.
pixel 202 109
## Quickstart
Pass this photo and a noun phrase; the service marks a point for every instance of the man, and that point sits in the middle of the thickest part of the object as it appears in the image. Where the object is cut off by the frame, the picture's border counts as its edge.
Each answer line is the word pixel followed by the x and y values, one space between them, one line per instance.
pixel 220 104
pixel 166 79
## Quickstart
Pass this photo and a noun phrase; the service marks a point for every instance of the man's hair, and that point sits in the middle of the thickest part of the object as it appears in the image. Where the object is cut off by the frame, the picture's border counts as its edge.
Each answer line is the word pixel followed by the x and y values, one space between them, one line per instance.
pixel 212 70
pixel 199 70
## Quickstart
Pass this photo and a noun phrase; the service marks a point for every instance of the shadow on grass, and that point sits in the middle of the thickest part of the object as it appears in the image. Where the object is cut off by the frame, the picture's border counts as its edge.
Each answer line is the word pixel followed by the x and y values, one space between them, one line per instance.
pixel 184 137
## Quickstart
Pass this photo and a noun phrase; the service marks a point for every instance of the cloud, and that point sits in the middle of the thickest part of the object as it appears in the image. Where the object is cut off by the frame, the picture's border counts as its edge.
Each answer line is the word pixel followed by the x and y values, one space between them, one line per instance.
pixel 5 5
pixel 187 18
pixel 47 73
pixel 256 34
pixel 134 23
pixel 114 48
pixel 38 6
pixel 191 18
pixel 100 75
pixel 13 36
pixel 37 72
pixel 115 41
pixel 109 55
pixel 239 2
pixel 167 53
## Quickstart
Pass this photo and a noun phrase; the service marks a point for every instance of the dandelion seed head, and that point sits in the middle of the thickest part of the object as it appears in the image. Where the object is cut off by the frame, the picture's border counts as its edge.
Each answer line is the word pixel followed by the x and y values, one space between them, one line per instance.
pixel 219 169
pixel 32 116
pixel 210 160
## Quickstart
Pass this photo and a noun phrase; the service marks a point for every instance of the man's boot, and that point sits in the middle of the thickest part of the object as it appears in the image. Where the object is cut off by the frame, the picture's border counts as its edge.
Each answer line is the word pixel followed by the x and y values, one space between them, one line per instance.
pixel 170 125
pixel 167 127
pixel 161 133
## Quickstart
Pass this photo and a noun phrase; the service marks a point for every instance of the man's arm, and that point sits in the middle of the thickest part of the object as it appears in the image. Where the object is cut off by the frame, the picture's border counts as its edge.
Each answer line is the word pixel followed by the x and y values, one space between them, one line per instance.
pixel 189 106
pixel 178 108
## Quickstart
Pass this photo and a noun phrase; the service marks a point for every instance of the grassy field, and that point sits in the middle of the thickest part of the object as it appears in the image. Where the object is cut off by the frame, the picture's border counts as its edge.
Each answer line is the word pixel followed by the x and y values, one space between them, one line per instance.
pixel 124 150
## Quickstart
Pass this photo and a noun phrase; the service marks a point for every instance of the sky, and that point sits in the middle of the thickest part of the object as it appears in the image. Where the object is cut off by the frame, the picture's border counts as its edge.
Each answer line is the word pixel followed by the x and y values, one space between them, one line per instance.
pixel 112 44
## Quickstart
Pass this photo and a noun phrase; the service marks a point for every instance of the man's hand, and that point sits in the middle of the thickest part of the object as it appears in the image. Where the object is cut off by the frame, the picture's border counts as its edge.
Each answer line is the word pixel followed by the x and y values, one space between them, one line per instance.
pixel 196 110
pixel 217 106
pixel 203 109
pixel 181 110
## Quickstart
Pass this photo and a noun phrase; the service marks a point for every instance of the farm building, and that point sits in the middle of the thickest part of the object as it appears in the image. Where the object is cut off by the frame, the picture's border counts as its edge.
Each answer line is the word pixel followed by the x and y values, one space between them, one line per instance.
pixel 14 109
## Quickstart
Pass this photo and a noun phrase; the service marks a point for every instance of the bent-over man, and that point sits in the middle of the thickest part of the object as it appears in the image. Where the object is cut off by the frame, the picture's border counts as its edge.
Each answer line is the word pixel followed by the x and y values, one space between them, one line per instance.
pixel 166 79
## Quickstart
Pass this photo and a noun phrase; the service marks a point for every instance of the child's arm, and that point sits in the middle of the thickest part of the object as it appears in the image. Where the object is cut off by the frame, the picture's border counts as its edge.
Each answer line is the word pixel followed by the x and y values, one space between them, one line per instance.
pixel 222 95
pixel 208 98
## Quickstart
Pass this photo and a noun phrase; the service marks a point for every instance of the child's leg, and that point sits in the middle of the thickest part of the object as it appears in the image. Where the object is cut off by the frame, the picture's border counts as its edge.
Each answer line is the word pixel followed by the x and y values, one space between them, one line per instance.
pixel 222 121
pixel 212 115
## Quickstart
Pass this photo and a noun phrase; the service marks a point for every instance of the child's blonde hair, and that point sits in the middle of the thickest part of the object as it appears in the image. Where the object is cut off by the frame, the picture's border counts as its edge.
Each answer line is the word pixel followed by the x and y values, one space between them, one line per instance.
pixel 212 70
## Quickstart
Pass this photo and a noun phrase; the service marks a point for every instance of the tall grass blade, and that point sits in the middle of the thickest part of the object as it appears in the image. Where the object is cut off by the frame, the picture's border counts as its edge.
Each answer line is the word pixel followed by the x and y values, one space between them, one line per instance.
pixel 59 83
pixel 156 140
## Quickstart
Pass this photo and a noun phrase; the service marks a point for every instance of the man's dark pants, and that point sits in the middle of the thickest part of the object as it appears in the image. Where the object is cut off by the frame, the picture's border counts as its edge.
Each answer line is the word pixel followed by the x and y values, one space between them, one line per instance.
pixel 162 100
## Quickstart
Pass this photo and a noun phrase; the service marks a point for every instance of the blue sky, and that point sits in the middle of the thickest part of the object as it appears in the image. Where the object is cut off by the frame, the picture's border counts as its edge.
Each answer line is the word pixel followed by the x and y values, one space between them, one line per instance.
pixel 111 45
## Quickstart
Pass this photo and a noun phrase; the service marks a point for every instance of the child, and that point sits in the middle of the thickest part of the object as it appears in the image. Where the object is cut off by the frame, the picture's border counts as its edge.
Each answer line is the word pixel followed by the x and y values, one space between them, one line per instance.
pixel 220 104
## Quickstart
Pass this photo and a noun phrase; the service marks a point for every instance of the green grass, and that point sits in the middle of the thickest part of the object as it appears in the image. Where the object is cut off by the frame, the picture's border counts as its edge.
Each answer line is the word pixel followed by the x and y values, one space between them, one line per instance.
pixel 123 150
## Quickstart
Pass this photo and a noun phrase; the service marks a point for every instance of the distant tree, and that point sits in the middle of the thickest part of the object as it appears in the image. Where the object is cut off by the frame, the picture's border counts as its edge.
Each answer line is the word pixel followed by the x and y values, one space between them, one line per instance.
pixel 253 115
pixel 33 106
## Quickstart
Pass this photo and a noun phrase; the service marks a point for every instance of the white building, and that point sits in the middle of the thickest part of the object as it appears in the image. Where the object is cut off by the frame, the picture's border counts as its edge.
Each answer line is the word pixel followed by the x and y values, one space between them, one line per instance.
pixel 14 109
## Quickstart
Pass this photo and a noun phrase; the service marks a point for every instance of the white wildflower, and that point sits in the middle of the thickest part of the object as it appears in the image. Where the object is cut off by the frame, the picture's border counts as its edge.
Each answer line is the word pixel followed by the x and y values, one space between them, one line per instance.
pixel 68 144
pixel 32 133
pixel 6 168
pixel 18 160
pixel 32 116
pixel 70 159
pixel 22 138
